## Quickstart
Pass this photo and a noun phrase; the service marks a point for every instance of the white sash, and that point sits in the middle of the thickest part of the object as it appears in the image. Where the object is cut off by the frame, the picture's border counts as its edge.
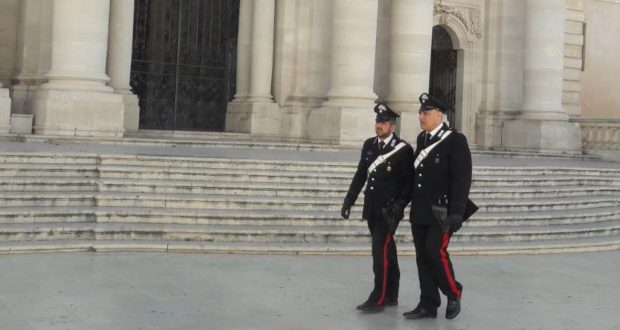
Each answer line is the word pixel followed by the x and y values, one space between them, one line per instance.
pixel 382 158
pixel 424 152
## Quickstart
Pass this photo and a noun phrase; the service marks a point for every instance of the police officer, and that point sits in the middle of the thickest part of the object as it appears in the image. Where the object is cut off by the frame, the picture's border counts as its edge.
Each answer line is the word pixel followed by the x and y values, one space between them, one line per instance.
pixel 442 179
pixel 386 167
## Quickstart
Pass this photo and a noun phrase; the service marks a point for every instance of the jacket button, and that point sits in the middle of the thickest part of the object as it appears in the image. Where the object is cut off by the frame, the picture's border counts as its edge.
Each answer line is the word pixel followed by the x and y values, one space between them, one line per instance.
pixel 373 179
pixel 419 185
pixel 372 188
pixel 420 174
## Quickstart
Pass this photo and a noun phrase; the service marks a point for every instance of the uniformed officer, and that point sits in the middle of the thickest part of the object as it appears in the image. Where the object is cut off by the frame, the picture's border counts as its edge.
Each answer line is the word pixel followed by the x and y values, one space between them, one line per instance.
pixel 386 167
pixel 442 180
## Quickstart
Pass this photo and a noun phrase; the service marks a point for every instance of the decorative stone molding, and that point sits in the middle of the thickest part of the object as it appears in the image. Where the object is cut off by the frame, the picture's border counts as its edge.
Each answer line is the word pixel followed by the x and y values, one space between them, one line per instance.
pixel 469 17
pixel 601 134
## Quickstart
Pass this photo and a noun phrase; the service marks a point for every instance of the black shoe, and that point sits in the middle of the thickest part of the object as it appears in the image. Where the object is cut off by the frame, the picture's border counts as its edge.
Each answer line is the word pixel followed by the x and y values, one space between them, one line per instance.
pixel 391 302
pixel 370 307
pixel 420 313
pixel 453 309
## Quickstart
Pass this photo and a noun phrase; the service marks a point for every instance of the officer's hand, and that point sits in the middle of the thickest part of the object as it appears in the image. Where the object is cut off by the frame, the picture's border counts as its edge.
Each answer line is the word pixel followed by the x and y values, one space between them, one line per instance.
pixel 345 211
pixel 397 210
pixel 455 222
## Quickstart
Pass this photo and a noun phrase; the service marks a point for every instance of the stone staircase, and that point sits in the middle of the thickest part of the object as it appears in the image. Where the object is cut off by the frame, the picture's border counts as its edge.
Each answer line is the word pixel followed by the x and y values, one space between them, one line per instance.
pixel 106 202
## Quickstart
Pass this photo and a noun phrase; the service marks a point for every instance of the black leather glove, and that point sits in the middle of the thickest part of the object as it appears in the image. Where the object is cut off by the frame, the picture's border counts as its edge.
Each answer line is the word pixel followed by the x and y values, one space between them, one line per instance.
pixel 397 210
pixel 345 212
pixel 455 222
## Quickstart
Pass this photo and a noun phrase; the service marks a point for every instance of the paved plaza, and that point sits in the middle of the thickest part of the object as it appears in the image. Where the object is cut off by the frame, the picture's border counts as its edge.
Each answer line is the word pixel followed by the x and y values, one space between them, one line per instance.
pixel 209 291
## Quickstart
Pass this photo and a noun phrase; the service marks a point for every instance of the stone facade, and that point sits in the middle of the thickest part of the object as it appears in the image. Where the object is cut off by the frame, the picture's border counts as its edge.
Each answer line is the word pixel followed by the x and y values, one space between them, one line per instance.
pixel 311 70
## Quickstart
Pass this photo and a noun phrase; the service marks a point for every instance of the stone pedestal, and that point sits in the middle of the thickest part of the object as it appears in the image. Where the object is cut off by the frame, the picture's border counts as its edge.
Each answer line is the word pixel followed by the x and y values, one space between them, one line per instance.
pixel 342 125
pixel 5 110
pixel 489 129
pixel 76 100
pixel 260 118
pixel 65 112
pixel 544 136
pixel 21 124
pixel 409 125
pixel 131 112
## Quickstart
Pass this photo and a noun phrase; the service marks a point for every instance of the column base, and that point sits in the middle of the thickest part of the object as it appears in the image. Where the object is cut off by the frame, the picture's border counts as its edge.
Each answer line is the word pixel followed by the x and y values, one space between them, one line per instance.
pixel 489 130
pixel 293 122
pixel 261 118
pixel 78 113
pixel 22 98
pixel 542 135
pixel 21 123
pixel 5 111
pixel 409 126
pixel 340 125
pixel 131 113
pixel 295 113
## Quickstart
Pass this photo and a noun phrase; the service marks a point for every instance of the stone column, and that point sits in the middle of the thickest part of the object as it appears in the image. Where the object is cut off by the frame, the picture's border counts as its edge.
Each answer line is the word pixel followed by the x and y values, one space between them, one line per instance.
pixel 347 116
pixel 542 123
pixel 502 82
pixel 27 56
pixel 256 114
pixel 5 110
pixel 9 16
pixel 244 51
pixel 76 100
pixel 411 35
pixel 120 46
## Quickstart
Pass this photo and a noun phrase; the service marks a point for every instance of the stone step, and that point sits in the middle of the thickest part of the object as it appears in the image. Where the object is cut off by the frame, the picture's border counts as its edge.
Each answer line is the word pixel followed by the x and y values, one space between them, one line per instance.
pixel 344 179
pixel 152 181
pixel 264 176
pixel 278 218
pixel 285 234
pixel 404 249
pixel 48 184
pixel 330 204
pixel 158 162
pixel 234 202
pixel 68 185
pixel 31 158
pixel 69 171
pixel 231 141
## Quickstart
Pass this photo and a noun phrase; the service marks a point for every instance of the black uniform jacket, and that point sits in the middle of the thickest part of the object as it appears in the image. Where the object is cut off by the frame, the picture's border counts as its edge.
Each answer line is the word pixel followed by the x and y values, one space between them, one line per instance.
pixel 389 182
pixel 443 176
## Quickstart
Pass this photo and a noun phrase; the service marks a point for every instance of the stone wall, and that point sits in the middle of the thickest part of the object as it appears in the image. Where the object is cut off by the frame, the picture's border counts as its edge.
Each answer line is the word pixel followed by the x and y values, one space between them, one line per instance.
pixel 600 98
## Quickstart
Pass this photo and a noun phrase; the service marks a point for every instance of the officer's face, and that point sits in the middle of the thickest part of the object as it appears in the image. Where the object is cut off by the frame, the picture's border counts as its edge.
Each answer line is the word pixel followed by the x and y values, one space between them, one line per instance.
pixel 430 119
pixel 384 128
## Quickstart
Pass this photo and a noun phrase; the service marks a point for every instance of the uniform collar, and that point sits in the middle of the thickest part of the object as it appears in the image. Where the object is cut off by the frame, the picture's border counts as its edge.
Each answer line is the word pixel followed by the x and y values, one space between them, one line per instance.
pixel 436 129
pixel 387 139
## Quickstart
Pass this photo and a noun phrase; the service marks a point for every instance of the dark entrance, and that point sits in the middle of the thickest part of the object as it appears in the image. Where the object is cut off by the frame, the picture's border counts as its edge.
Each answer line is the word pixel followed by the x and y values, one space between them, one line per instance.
pixel 443 70
pixel 183 65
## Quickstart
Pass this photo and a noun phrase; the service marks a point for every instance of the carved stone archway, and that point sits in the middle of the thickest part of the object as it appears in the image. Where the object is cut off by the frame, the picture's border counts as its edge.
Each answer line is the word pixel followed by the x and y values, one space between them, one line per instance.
pixel 463 24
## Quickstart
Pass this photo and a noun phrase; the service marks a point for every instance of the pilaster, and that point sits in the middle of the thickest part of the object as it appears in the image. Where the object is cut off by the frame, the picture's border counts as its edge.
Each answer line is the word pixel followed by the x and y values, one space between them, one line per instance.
pixel 76 100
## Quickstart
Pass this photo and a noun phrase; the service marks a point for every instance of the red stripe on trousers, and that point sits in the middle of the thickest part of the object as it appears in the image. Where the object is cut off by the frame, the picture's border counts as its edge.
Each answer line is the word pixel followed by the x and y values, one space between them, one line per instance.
pixel 446 266
pixel 385 270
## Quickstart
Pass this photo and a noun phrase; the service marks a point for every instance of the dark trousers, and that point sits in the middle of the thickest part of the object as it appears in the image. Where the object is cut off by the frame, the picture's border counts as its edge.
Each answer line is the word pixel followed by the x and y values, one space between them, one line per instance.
pixel 384 261
pixel 435 270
